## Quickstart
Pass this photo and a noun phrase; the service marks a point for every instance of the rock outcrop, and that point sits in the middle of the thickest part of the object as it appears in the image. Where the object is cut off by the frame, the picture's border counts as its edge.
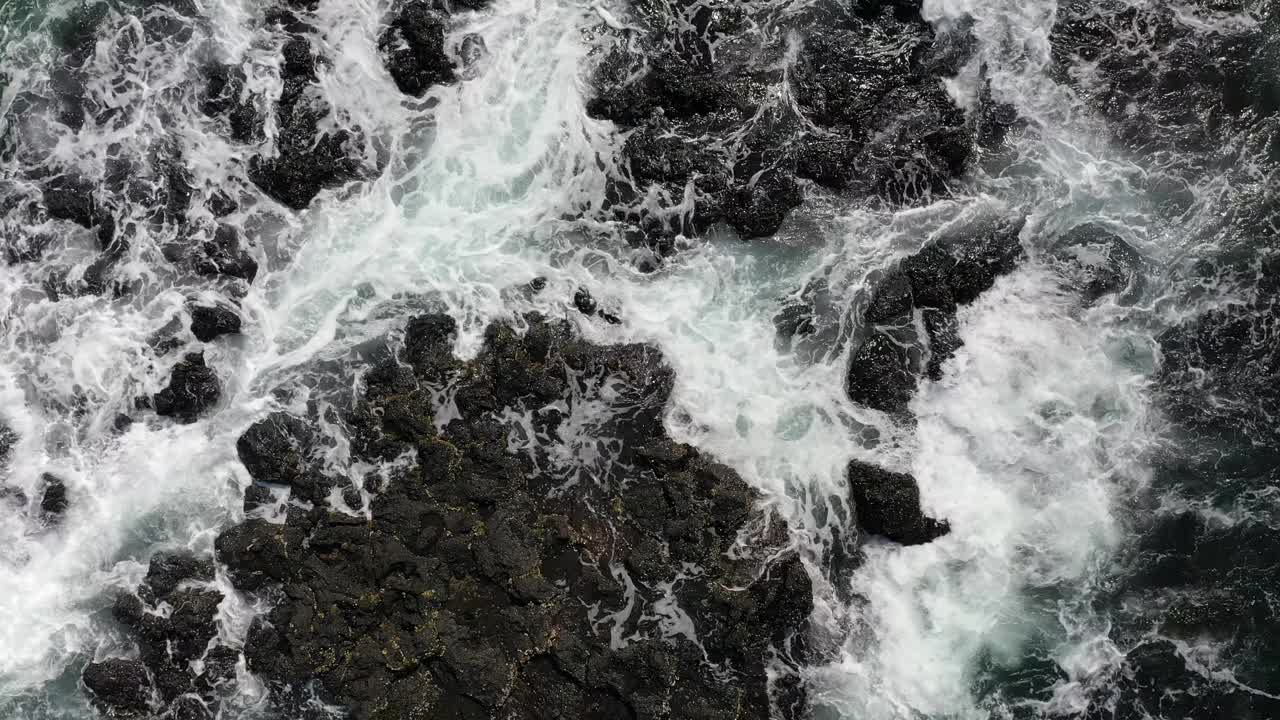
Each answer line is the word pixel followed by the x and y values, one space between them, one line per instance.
pixel 193 388
pixel 212 321
pixel 910 320
pixel 888 504
pixel 513 564
pixel 172 615
pixel 730 110
pixel 119 688
pixel 306 159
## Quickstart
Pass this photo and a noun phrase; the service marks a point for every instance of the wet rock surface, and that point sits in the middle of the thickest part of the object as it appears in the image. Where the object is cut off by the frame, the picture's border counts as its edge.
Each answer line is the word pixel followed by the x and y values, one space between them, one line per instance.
pixel 193 388
pixel 172 616
pixel 720 134
pixel 119 688
pixel 910 322
pixel 54 499
pixel 306 159
pixel 212 321
pixel 501 573
pixel 888 504
pixel 413 48
pixel 1194 73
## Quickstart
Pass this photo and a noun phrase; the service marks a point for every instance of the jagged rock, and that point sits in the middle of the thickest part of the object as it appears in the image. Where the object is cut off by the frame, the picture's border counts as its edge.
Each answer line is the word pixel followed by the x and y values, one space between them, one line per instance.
pixel 211 321
pixel 870 117
pixel 120 688
pixel 306 160
pixel 68 198
pixel 277 449
pixel 53 497
pixel 8 438
pixel 883 373
pixel 257 496
pixel 174 622
pixel 193 388
pixel 413 49
pixel 892 355
pixel 225 96
pixel 888 504
pixel 225 255
pixel 467 593
pixel 168 570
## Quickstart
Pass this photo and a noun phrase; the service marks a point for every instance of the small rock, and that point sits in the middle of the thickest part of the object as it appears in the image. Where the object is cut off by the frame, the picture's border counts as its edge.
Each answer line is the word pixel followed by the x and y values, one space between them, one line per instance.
pixel 888 504
pixel 53 498
pixel 211 321
pixel 120 688
pixel 193 388
pixel 276 449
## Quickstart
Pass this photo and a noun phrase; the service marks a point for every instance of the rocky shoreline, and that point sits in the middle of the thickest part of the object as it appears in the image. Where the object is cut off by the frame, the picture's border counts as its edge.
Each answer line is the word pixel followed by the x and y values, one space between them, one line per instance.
pixel 531 543
pixel 488 576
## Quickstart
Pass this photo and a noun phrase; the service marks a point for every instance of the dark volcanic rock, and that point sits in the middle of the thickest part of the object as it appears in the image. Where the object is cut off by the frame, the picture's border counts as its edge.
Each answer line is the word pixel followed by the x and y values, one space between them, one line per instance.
pixel 193 388
pixel 225 255
pixel 306 160
pixel 469 591
pixel 120 688
pixel 168 570
pixel 1172 77
pixel 277 449
pixel 888 504
pixel 225 96
pixel 924 291
pixel 53 497
pixel 174 621
pixel 413 49
pixel 67 198
pixel 867 113
pixel 211 321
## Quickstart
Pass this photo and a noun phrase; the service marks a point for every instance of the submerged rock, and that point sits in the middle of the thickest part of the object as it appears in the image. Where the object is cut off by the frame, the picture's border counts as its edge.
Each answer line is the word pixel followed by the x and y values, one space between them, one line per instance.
pixel 470 590
pixel 119 688
pixel 1099 262
pixel 224 254
pixel 225 96
pixel 888 504
pixel 193 388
